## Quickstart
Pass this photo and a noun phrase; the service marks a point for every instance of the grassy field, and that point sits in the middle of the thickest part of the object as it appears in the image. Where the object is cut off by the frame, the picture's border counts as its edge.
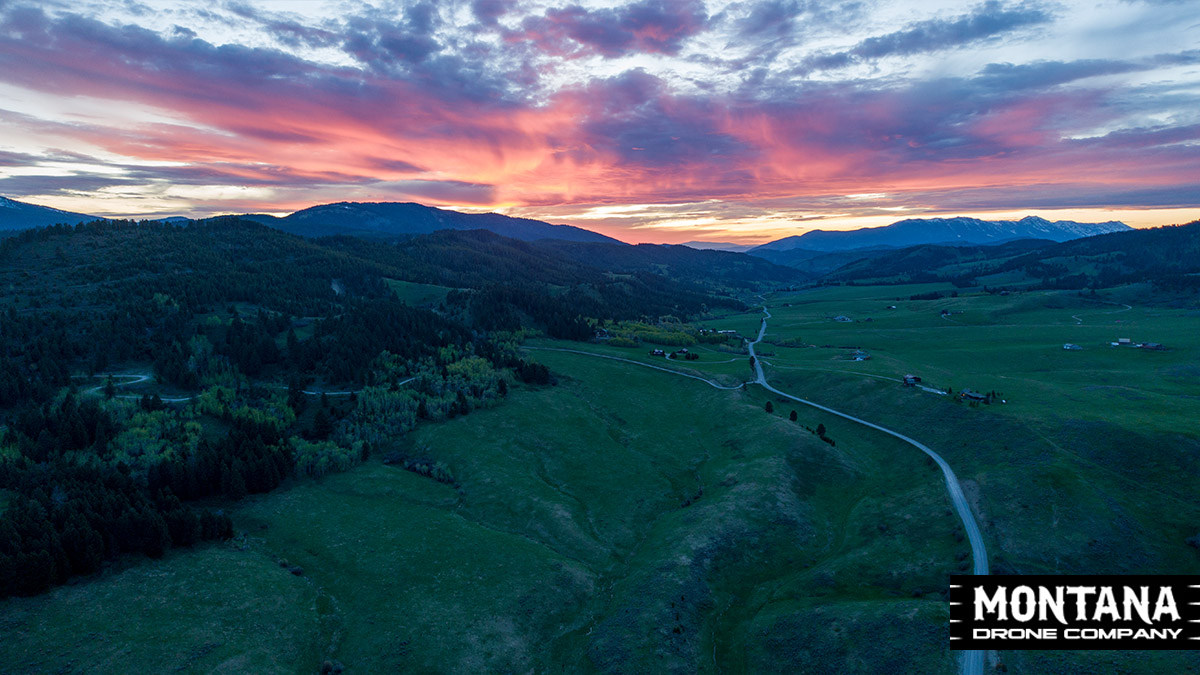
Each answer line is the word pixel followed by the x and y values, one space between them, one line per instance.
pixel 418 295
pixel 1090 465
pixel 627 520
pixel 218 609
pixel 683 529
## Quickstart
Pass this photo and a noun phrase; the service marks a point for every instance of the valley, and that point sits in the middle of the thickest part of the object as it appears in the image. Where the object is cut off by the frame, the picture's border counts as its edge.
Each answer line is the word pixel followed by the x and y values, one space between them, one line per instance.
pixel 742 484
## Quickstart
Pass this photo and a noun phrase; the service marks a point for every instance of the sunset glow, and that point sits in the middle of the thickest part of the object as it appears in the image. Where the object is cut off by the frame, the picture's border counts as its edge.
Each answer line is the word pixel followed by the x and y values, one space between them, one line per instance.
pixel 649 121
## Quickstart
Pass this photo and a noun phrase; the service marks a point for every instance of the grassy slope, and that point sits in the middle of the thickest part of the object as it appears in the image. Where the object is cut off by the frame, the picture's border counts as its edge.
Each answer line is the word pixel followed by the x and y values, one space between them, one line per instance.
pixel 569 546
pixel 218 609
pixel 418 295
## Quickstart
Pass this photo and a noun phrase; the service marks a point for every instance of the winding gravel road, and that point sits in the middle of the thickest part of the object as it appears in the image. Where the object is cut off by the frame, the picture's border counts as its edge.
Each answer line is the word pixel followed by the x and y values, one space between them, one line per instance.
pixel 972 660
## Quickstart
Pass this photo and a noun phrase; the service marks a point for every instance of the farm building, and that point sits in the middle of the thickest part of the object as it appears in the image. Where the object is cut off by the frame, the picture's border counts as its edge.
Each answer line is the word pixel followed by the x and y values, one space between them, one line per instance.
pixel 973 395
pixel 911 380
pixel 842 317
pixel 1072 348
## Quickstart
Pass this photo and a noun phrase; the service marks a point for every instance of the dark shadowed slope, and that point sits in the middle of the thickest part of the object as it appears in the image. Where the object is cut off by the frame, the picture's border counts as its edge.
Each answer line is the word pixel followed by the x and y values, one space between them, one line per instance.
pixel 16 215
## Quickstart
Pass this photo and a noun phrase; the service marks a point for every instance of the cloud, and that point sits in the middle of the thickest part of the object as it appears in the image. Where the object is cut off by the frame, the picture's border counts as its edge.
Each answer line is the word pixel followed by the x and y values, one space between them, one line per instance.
pixel 987 21
pixel 648 27
pixel 488 12
pixel 429 110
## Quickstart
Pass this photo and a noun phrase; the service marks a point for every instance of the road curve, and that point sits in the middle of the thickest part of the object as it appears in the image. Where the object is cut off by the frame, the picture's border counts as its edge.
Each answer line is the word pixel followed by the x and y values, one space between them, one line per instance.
pixel 972 660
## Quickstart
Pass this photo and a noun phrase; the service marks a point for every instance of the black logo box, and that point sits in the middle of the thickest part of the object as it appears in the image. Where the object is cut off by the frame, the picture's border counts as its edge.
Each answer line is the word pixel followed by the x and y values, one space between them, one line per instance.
pixel 969 631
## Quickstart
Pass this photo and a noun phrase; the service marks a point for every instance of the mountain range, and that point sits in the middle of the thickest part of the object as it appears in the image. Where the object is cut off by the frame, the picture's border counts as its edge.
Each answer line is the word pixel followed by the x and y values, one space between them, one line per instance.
pixel 945 231
pixel 815 253
pixel 377 220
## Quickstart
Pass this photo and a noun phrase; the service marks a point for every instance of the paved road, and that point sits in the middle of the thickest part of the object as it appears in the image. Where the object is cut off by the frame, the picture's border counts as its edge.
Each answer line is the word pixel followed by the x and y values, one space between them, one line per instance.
pixel 972 660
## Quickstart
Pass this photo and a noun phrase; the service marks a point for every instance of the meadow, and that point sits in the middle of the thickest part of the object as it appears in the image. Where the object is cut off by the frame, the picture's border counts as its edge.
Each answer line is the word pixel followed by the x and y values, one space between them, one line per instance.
pixel 628 520
pixel 680 529
pixel 1085 463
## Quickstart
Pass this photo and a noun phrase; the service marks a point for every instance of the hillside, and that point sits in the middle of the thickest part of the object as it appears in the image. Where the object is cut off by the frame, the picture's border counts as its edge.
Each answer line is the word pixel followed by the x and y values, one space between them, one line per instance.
pixel 1168 257
pixel 16 215
pixel 946 231
pixel 927 260
pixel 817 264
pixel 193 361
pixel 682 262
pixel 395 220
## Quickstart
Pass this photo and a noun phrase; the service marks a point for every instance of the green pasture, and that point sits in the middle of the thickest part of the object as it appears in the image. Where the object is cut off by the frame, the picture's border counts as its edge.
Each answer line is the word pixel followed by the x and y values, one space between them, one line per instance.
pixel 1009 344
pixel 215 609
pixel 416 294
pixel 629 520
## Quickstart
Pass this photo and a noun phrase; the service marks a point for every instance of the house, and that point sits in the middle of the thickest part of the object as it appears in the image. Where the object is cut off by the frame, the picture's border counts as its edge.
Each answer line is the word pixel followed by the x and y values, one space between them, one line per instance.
pixel 842 317
pixel 727 332
pixel 973 395
pixel 891 307
pixel 860 355
pixel 911 380
pixel 1072 348
pixel 1152 345
pixel 658 352
pixel 1124 341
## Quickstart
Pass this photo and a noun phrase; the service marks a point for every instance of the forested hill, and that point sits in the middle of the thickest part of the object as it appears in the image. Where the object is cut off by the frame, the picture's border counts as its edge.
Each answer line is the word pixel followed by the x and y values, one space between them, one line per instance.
pixel 396 220
pixel 1168 257
pixel 239 323
pixel 166 279
pixel 929 259
pixel 727 268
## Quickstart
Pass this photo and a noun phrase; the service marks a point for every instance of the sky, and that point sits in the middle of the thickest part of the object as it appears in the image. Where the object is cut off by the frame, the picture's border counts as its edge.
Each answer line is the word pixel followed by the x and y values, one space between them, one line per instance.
pixel 654 120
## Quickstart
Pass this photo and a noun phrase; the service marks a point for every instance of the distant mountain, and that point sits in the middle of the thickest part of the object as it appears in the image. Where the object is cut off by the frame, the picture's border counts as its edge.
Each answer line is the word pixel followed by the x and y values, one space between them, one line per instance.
pixel 1168 257
pixel 717 246
pixel 396 220
pixel 16 215
pixel 944 231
